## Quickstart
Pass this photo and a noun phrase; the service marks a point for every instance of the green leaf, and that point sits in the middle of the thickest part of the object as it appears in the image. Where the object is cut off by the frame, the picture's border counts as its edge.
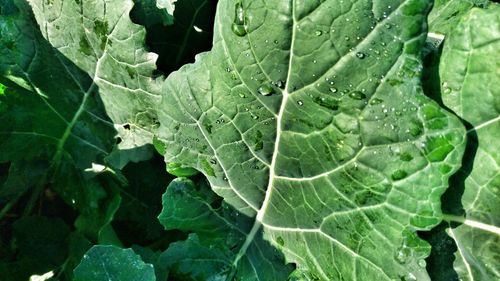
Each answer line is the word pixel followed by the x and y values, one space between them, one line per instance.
pixel 310 120
pixel 168 5
pixel 468 71
pixel 52 123
pixel 219 233
pixel 446 14
pixel 109 48
pixel 109 263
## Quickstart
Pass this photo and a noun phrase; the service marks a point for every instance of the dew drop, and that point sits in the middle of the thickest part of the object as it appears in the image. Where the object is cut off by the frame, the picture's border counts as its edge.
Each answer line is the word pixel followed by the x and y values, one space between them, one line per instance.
pixel 239 29
pixel 333 90
pixel 376 101
pixel 402 254
pixel 280 84
pixel 318 32
pixel 399 174
pixel 300 103
pixel 360 55
pixel 422 263
pixel 266 90
pixel 280 241
pixel 213 161
pixel 410 277
pixel 357 95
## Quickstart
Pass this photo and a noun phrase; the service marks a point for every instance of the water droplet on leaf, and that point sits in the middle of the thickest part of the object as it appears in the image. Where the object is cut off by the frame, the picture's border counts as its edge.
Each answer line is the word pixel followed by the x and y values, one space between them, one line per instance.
pixel 360 55
pixel 357 95
pixel 266 90
pixel 280 241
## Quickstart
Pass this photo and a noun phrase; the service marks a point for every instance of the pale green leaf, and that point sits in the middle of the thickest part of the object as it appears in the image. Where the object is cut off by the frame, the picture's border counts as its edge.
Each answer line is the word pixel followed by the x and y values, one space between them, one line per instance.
pixel 309 118
pixel 469 72
pixel 100 39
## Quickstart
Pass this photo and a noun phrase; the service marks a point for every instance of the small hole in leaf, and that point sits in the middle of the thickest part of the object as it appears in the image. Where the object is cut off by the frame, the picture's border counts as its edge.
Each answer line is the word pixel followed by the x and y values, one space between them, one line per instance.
pixel 118 140
pixel 126 126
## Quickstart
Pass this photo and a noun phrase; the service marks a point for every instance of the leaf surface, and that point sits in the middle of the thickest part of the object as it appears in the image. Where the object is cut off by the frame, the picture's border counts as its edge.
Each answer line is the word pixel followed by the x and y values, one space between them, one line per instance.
pixel 100 39
pixel 52 124
pixel 109 263
pixel 469 72
pixel 218 232
pixel 309 118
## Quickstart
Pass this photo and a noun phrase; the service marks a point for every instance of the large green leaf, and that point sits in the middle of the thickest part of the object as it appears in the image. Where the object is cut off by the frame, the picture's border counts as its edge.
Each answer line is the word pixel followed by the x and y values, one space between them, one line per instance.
pixel 52 123
pixel 446 14
pixel 109 263
pixel 309 118
pixel 469 72
pixel 100 39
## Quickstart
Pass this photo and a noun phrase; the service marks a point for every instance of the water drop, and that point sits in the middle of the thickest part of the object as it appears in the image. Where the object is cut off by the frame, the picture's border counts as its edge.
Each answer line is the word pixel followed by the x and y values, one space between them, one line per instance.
pixel 238 27
pixel 333 90
pixel 266 90
pixel 402 254
pixel 299 102
pixel 280 241
pixel 280 84
pixel 422 263
pixel 376 101
pixel 242 95
pixel 213 161
pixel 388 25
pixel 360 55
pixel 399 174
pixel 357 95
pixel 410 277
pixel 318 32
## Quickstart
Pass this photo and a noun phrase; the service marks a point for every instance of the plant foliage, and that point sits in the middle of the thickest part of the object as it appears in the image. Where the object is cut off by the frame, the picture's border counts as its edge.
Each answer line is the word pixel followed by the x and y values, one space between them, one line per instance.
pixel 302 140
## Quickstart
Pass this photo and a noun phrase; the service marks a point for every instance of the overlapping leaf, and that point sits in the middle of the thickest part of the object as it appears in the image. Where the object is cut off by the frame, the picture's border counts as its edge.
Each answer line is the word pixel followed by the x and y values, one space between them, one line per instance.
pixel 309 118
pixel 469 72
pixel 219 232
pixel 52 123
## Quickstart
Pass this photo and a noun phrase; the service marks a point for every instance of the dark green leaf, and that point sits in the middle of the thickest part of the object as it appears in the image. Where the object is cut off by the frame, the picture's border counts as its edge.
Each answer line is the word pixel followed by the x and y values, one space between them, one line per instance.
pixel 109 263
